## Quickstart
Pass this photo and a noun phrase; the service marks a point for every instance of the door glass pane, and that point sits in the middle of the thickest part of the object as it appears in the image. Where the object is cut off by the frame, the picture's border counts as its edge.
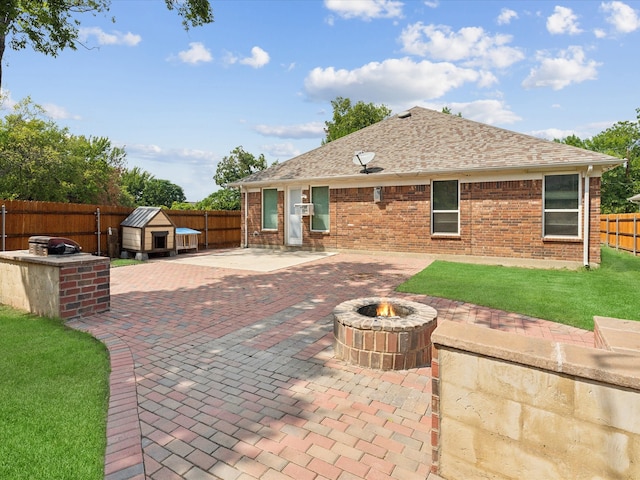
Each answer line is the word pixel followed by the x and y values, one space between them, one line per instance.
pixel 320 199
pixel 270 208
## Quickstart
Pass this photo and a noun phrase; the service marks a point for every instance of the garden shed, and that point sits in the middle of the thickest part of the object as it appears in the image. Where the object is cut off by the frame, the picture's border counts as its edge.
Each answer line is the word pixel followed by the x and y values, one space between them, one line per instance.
pixel 148 230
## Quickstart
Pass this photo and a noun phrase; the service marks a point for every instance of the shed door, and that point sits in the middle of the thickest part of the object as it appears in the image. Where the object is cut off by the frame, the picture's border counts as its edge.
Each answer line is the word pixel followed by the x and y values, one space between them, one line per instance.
pixel 294 220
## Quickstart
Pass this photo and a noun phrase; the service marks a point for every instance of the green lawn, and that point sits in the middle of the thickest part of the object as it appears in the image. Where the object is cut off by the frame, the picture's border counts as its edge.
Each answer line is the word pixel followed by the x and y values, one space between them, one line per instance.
pixel 53 400
pixel 123 262
pixel 564 296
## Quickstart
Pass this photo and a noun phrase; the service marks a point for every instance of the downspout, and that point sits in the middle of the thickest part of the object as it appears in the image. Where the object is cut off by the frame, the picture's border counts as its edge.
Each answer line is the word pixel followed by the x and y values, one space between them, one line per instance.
pixel 587 214
pixel 246 206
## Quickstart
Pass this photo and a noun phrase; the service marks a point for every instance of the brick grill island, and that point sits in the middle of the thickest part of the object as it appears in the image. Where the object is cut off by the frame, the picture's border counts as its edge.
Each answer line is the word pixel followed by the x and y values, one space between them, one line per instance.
pixel 65 286
pixel 399 342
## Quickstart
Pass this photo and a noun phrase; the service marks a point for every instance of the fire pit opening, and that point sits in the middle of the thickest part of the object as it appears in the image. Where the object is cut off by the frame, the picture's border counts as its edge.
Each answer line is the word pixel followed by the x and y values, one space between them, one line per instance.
pixel 385 309
pixel 384 333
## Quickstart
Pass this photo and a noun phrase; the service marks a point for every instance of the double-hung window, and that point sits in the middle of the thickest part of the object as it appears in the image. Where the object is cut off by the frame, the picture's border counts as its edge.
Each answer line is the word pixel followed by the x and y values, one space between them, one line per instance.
pixel 320 218
pixel 445 207
pixel 561 205
pixel 270 209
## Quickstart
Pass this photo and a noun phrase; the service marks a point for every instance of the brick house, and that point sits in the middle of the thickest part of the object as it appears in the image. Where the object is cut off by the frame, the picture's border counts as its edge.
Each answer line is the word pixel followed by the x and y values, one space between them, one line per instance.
pixel 437 184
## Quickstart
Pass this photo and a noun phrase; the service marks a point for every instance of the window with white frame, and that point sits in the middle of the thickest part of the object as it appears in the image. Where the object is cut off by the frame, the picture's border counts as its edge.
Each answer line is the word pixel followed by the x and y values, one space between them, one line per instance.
pixel 320 200
pixel 561 205
pixel 270 209
pixel 445 207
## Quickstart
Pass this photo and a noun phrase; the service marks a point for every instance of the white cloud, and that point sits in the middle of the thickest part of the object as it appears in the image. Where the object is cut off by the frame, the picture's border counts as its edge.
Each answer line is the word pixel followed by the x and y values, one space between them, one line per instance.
pixel 432 3
pixel 623 18
pixel 304 130
pixel 472 45
pixel 259 58
pixel 552 133
pixel 492 112
pixel 57 112
pixel 281 151
pixel 197 53
pixel 581 131
pixel 570 66
pixel 391 81
pixel 365 9
pixel 506 15
pixel 169 155
pixel 599 33
pixel 116 38
pixel 563 20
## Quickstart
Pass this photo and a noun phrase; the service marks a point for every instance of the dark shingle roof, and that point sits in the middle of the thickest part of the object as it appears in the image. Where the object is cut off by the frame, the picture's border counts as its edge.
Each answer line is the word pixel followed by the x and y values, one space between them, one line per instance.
pixel 428 143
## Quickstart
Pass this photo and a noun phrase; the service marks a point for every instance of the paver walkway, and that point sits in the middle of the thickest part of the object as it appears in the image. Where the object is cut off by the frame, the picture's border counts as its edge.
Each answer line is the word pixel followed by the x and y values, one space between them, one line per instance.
pixel 229 374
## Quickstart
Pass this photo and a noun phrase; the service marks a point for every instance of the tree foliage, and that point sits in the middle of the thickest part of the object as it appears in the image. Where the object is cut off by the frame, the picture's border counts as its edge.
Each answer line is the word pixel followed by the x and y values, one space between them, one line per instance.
pixel 224 199
pixel 161 193
pixel 41 161
pixel 618 184
pixel 237 165
pixel 51 26
pixel 147 190
pixel 348 118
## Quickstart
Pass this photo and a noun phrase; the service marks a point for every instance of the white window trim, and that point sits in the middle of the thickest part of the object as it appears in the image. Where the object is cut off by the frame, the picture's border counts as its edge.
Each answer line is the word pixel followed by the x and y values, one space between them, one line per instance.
pixel 311 187
pixel 577 211
pixel 456 211
pixel 263 228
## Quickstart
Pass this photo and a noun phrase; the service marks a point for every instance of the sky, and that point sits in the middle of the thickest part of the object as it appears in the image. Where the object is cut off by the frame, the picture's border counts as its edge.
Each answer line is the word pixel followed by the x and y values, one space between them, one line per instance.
pixel 263 75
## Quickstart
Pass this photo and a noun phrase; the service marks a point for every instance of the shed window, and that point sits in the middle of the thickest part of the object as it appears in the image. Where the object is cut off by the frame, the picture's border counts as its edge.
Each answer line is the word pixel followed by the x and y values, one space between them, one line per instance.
pixel 445 207
pixel 562 205
pixel 320 218
pixel 270 209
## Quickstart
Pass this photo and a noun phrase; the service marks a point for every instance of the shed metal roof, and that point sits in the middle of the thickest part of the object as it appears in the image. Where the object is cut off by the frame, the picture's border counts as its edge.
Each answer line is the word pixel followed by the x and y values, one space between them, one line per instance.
pixel 141 216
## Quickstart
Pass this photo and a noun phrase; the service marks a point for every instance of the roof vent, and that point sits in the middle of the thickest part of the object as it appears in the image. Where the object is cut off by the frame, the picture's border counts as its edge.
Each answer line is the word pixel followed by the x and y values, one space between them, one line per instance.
pixel 405 114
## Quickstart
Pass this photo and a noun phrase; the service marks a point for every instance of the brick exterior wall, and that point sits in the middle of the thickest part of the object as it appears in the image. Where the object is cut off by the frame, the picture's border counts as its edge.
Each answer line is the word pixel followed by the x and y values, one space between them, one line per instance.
pixel 497 219
pixel 84 289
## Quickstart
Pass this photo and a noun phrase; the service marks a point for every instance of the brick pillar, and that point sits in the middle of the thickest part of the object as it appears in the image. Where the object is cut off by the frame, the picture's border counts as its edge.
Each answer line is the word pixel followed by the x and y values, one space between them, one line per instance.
pixel 85 289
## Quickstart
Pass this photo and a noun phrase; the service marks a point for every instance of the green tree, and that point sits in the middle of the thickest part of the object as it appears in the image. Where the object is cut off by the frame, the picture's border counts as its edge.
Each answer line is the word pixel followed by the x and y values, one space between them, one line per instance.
pixel 41 161
pixel 51 26
pixel 618 184
pixel 448 111
pixel 348 118
pixel 161 193
pixel 134 181
pixel 237 165
pixel 224 199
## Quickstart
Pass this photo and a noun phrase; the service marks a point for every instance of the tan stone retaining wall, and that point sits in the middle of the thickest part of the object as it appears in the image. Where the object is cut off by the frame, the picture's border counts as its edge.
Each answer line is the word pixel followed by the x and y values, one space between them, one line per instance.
pixel 65 286
pixel 506 406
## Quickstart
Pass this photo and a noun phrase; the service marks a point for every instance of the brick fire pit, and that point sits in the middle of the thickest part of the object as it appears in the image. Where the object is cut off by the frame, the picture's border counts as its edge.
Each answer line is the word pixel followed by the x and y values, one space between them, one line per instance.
pixel 368 336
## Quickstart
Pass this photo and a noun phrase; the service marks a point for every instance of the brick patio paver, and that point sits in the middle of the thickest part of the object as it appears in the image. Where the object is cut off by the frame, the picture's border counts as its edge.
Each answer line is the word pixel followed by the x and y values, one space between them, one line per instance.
pixel 230 374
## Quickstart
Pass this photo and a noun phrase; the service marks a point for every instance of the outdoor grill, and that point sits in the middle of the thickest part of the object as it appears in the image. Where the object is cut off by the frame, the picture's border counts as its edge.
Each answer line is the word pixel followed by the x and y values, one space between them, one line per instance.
pixel 44 246
pixel 385 334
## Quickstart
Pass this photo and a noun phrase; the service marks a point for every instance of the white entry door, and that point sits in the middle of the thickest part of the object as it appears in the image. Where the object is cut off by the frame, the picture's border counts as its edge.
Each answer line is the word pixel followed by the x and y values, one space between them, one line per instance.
pixel 294 220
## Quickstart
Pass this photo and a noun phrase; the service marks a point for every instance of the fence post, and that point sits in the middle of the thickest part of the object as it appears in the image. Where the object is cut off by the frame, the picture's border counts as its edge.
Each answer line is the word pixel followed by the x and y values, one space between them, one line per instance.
pixel 617 229
pixel 4 233
pixel 98 222
pixel 206 230
pixel 608 230
pixel 635 233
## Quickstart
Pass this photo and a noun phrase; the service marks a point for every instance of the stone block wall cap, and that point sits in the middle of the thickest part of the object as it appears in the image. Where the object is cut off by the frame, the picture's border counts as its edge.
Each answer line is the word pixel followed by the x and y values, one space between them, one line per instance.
pixel 604 366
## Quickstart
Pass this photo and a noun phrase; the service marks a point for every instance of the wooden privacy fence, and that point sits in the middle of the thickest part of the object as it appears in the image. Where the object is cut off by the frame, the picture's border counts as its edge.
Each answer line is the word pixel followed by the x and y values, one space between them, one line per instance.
pixel 621 231
pixel 90 225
